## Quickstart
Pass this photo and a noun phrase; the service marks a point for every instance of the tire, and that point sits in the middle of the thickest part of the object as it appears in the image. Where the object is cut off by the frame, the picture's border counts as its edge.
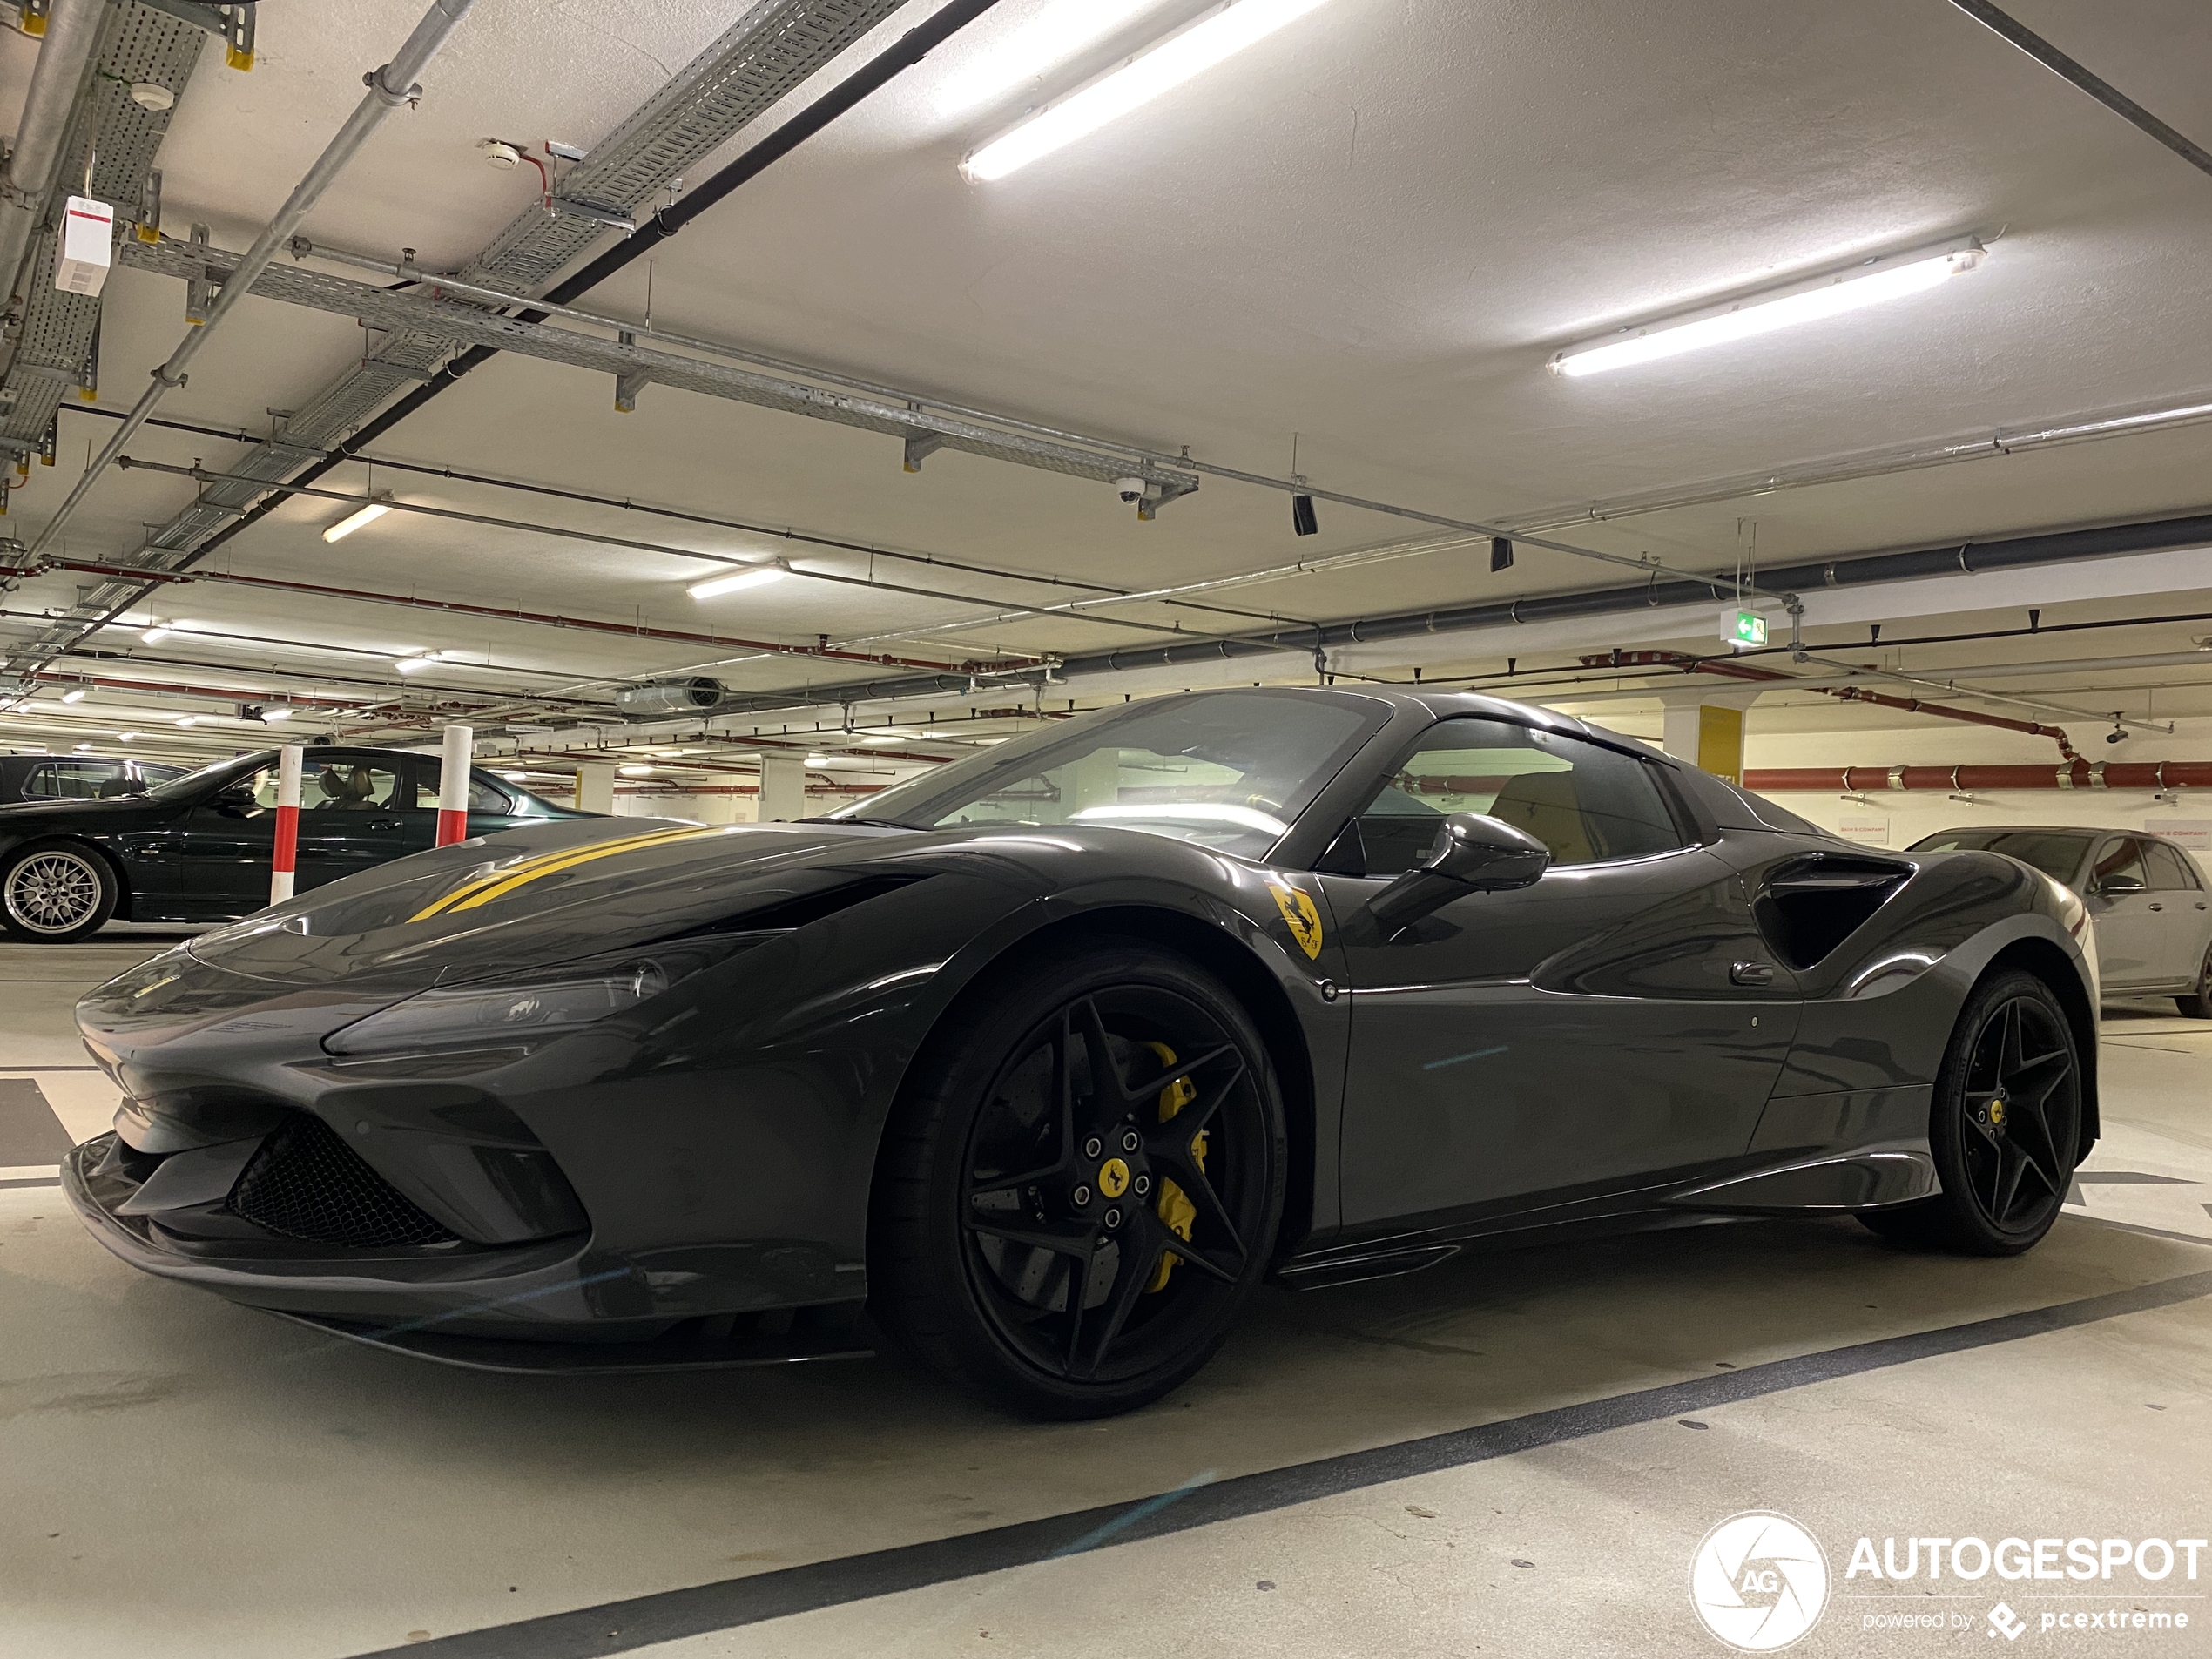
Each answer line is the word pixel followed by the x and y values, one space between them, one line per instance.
pixel 1025 1200
pixel 2198 1004
pixel 2004 1126
pixel 56 892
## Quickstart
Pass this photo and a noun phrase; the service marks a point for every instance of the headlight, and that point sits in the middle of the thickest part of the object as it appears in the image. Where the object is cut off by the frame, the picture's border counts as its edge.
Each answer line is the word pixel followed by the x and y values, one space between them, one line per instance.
pixel 528 1008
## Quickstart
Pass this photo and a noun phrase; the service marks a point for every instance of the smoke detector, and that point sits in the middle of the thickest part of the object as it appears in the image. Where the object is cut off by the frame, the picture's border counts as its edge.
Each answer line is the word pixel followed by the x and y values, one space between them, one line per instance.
pixel 500 154
pixel 151 95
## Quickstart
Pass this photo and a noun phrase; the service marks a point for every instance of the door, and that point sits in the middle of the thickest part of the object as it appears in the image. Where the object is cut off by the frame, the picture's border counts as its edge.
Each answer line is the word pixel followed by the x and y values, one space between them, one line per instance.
pixel 354 813
pixel 2184 920
pixel 1617 1021
pixel 2129 950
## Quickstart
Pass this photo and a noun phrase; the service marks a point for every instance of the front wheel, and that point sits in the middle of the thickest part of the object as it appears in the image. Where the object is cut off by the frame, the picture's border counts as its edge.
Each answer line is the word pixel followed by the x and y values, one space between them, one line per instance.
pixel 2196 1004
pixel 1083 1188
pixel 2005 1126
pixel 56 892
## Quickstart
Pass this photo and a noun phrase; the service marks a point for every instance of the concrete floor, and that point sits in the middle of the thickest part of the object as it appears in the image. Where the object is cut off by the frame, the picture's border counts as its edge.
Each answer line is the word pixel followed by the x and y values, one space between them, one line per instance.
pixel 1516 1454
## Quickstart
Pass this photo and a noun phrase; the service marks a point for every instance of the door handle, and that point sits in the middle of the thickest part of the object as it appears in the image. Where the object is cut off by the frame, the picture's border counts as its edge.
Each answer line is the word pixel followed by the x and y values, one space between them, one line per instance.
pixel 2156 905
pixel 1751 974
pixel 384 824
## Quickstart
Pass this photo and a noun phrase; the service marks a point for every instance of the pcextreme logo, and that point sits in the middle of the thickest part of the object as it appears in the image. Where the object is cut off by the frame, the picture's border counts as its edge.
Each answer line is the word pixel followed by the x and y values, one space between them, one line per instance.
pixel 1759 1581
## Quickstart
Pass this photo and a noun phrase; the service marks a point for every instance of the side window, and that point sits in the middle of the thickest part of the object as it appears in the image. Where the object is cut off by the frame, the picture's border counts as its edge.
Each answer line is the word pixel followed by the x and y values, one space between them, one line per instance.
pixel 486 798
pixel 2120 867
pixel 69 779
pixel 1588 804
pixel 2169 868
pixel 338 783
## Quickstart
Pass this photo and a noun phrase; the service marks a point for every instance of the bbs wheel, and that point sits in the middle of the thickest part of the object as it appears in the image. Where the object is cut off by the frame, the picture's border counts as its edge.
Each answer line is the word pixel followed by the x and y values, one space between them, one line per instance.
pixel 1083 1188
pixel 2005 1126
pixel 55 892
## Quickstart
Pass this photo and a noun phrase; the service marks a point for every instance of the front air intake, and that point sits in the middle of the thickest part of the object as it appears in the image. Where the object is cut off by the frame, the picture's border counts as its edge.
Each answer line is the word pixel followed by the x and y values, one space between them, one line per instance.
pixel 306 1184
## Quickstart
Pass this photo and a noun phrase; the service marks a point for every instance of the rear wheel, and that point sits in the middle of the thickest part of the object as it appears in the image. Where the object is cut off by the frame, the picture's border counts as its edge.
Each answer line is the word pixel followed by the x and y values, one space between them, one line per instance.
pixel 55 892
pixel 1083 1190
pixel 2003 1126
pixel 2197 1003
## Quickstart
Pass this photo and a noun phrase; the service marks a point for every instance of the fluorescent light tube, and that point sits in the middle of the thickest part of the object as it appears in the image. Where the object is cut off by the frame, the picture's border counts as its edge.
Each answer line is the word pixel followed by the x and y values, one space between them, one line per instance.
pixel 77 696
pixel 1065 27
pixel 354 520
pixel 1188 52
pixel 270 716
pixel 1829 296
pixel 757 576
pixel 417 663
pixel 188 719
pixel 155 634
pixel 635 771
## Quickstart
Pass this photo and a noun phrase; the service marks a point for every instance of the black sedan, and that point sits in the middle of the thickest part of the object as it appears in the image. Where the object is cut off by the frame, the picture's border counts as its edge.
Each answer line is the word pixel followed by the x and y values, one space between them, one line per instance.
pixel 1049 1057
pixel 197 847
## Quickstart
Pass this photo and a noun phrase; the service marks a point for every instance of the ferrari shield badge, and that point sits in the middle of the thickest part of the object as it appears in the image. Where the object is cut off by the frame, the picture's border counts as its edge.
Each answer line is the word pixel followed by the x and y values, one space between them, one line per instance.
pixel 1305 921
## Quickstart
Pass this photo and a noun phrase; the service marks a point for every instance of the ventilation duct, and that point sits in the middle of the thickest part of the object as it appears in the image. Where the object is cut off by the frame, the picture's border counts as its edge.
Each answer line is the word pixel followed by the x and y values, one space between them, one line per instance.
pixel 671 697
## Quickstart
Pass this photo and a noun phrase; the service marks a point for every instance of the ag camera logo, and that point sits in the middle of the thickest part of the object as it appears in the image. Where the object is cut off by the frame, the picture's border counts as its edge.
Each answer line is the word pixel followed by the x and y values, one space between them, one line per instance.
pixel 1759 1581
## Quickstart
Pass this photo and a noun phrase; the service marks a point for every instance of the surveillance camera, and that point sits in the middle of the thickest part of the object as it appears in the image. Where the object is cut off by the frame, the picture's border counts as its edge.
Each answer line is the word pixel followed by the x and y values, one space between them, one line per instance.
pixel 2118 735
pixel 1131 490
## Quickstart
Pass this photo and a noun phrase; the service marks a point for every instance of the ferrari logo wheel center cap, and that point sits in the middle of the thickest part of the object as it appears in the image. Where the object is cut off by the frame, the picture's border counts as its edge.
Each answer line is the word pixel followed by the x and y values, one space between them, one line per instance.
pixel 1113 1177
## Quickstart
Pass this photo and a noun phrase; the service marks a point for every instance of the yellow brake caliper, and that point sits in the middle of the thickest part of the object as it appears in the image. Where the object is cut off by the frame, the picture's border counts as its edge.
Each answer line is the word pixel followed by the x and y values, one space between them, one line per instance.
pixel 1175 1208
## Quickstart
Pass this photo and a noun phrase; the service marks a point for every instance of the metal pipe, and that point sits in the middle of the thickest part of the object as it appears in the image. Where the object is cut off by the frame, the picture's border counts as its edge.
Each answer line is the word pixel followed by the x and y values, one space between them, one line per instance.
pixel 900 57
pixel 2057 63
pixel 156 579
pixel 72 29
pixel 2080 774
pixel 1946 678
pixel 1912 706
pixel 388 87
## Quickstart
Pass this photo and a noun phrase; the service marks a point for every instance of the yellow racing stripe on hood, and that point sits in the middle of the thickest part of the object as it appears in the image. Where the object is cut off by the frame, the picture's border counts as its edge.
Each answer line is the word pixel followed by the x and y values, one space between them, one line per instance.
pixel 498 883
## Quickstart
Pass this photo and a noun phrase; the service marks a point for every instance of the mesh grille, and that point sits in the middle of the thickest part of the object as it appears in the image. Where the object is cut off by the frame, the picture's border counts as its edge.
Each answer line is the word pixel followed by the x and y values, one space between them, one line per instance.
pixel 307 1183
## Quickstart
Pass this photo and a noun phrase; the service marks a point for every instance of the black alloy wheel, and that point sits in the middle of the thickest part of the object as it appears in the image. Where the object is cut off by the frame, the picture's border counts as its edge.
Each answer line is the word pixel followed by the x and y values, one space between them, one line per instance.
pixel 56 892
pixel 2006 1125
pixel 2198 1004
pixel 1085 1187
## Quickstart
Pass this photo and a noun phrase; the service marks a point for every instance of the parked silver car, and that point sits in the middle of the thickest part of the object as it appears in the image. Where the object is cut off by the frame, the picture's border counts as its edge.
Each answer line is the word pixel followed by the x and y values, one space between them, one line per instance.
pixel 2154 916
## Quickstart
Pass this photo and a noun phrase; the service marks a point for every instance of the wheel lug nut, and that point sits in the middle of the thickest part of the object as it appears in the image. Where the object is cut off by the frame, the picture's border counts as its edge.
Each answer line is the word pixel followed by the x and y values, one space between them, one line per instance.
pixel 1082 1195
pixel 1143 1184
pixel 1129 1140
pixel 1092 1147
pixel 1113 1218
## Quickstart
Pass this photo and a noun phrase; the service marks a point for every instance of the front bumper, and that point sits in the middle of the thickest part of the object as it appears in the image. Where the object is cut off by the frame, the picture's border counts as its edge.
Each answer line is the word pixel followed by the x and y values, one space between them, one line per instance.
pixel 556 1306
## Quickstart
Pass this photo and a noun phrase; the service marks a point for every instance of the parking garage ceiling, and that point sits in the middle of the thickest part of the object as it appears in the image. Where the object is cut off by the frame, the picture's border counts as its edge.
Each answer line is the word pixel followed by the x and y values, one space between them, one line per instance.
pixel 1348 252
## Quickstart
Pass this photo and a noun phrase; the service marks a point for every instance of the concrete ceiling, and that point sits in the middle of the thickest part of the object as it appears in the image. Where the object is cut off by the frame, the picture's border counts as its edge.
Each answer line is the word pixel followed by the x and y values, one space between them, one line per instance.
pixel 1371 231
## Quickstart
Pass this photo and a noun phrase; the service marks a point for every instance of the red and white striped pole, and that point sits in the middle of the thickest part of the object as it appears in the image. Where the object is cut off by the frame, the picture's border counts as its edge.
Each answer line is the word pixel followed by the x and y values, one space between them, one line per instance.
pixel 453 786
pixel 285 858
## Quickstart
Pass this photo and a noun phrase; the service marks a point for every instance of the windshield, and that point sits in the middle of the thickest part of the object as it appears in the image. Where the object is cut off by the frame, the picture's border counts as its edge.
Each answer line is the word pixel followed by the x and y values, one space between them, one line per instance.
pixel 192 782
pixel 1229 770
pixel 2058 853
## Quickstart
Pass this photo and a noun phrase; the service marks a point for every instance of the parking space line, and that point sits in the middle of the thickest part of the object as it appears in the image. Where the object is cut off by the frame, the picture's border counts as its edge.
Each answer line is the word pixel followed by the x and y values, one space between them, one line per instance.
pixel 669 1615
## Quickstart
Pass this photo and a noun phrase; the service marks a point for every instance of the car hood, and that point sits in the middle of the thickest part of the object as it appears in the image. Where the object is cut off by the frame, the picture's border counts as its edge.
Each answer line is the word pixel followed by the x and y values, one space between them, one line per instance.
pixel 532 897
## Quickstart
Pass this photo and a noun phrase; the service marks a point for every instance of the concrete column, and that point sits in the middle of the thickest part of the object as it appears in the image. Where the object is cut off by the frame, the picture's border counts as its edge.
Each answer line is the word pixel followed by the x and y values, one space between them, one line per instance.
pixel 1707 730
pixel 783 788
pixel 595 788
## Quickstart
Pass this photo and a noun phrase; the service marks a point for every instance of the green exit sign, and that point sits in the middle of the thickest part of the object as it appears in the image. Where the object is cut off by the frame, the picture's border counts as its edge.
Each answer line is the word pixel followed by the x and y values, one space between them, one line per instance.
pixel 1745 628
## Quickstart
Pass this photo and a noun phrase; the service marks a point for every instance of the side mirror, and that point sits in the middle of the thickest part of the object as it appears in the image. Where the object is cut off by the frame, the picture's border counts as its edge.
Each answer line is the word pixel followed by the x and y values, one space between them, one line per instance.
pixel 2115 886
pixel 1472 854
pixel 234 801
